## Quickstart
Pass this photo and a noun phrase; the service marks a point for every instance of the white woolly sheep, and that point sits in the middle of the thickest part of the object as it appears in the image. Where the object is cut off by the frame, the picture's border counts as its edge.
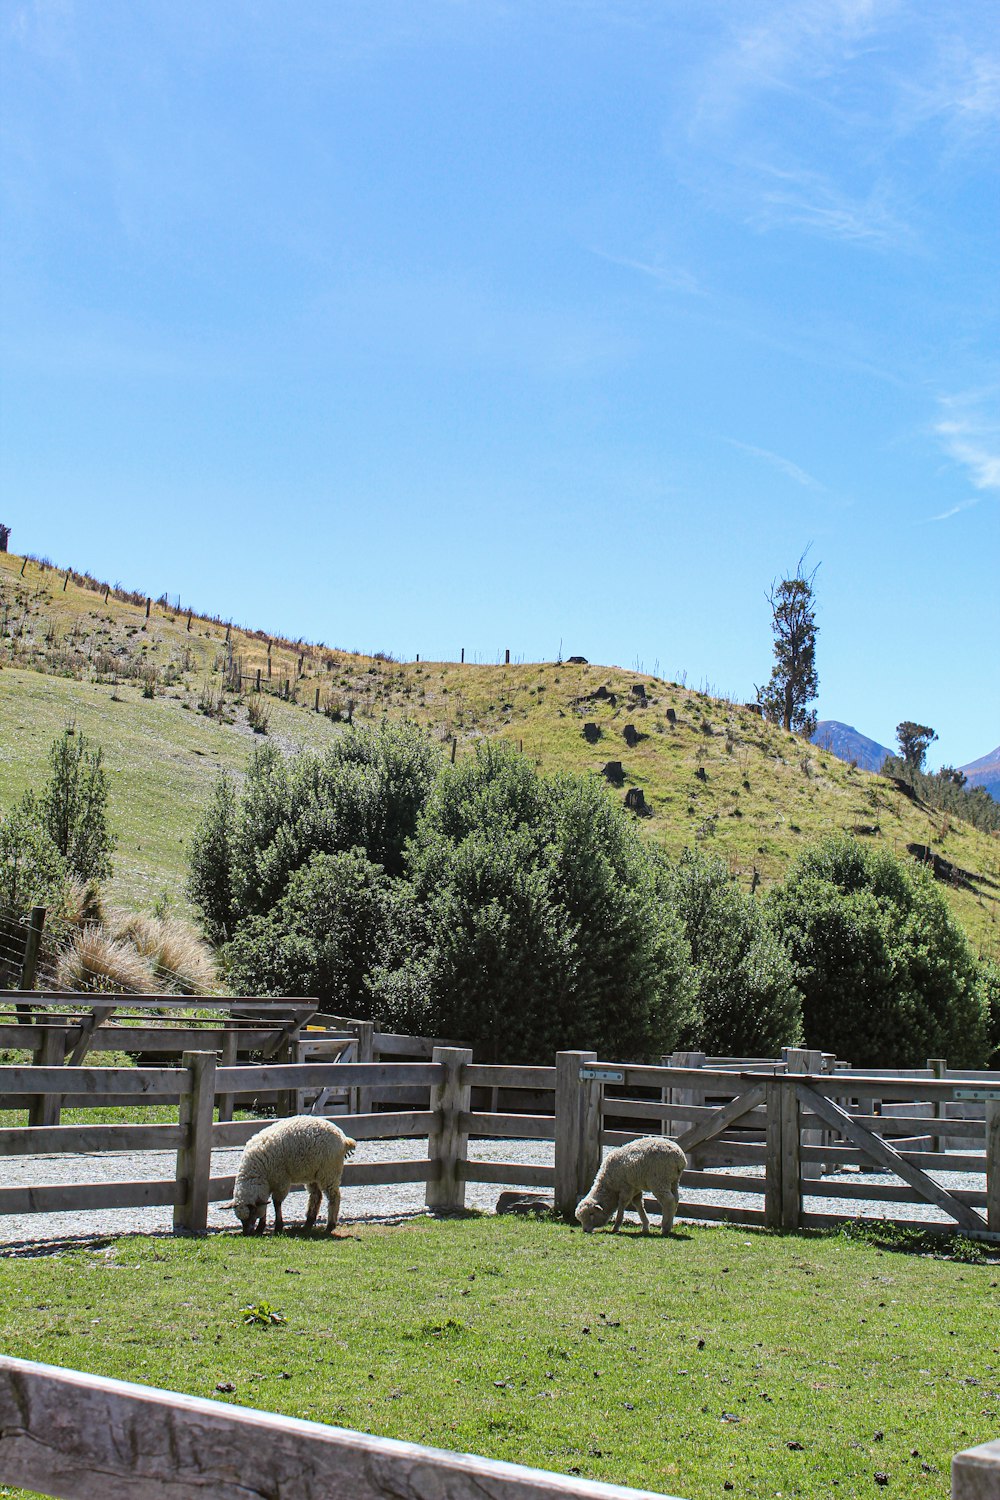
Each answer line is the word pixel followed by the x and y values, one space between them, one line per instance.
pixel 652 1164
pixel 304 1148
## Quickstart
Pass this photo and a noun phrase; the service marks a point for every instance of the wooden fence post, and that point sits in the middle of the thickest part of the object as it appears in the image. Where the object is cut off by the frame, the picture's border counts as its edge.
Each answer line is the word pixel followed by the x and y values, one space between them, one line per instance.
pixel 791 1164
pixel 448 1143
pixel 365 1033
pixel 194 1154
pixel 938 1067
pixel 29 964
pixel 230 1049
pixel 806 1060
pixel 578 1153
pixel 687 1094
pixel 773 1160
pixel 993 1165
pixel 44 1108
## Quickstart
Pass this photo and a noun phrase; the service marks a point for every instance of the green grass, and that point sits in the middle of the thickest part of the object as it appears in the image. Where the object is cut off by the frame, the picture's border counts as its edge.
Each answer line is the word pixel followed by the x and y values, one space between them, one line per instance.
pixel 792 1366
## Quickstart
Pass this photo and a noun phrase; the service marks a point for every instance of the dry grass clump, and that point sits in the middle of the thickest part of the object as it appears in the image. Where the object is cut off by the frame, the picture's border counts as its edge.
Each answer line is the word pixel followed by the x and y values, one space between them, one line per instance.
pixel 93 960
pixel 177 956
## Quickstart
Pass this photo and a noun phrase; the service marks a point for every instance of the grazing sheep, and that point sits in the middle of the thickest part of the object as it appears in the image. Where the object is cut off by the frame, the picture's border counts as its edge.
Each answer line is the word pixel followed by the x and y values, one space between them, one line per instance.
pixel 303 1148
pixel 652 1164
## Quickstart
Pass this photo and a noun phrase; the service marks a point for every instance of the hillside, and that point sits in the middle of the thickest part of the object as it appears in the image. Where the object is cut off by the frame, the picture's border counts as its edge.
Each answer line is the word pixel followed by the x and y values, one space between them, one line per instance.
pixel 153 690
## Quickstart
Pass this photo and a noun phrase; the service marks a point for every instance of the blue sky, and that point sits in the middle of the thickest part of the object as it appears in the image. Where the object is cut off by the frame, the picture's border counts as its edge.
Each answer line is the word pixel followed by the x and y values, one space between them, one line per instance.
pixel 422 324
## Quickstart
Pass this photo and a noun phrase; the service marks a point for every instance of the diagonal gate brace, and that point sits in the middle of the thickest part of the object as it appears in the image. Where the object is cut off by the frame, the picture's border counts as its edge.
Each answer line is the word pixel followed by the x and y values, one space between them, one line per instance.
pixel 721 1119
pixel 889 1158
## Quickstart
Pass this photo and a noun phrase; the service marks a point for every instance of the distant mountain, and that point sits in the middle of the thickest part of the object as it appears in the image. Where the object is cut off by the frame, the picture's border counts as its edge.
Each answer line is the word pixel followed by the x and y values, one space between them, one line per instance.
pixel 844 741
pixel 985 772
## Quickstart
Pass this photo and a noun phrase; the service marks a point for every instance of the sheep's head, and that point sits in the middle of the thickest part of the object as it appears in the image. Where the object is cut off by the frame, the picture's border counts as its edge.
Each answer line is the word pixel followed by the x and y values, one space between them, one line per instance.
pixel 591 1214
pixel 252 1216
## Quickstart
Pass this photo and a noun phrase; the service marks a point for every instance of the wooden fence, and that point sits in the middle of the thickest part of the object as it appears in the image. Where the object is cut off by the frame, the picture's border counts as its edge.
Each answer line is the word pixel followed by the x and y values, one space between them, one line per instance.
pixel 770 1131
pixel 84 1437
pixel 87 1438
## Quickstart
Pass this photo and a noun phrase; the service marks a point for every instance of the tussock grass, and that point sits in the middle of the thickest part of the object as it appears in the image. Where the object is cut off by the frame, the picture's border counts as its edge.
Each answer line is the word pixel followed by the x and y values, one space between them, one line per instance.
pixel 93 960
pixel 180 960
pixel 780 1365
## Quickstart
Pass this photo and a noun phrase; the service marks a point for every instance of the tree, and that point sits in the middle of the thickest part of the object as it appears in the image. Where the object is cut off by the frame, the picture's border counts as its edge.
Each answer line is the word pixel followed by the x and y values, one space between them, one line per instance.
pixel 535 920
pixel 746 1002
pixel 886 975
pixel 793 682
pixel 32 871
pixel 914 741
pixel 73 807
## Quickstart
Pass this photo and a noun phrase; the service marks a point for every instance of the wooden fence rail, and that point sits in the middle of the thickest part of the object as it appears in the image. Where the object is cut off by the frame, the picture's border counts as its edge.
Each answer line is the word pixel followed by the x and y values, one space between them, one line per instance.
pixel 776 1134
pixel 84 1437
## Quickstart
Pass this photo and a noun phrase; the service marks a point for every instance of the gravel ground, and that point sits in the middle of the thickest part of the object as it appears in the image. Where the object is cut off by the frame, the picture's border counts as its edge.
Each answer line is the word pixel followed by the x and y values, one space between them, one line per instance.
pixel 360 1204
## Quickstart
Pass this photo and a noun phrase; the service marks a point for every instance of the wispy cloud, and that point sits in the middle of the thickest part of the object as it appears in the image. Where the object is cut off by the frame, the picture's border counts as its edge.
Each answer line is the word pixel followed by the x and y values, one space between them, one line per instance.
pixel 785 465
pixel 674 278
pixel 969 432
pixel 954 510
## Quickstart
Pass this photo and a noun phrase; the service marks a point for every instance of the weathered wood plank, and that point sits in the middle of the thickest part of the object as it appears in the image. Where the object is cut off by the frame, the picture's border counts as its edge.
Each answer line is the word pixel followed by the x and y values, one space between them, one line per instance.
pixel 888 1157
pixel 885 1192
pixel 194 1154
pixel 714 1213
pixel 641 1109
pixel 85 1033
pixel 715 1080
pixel 448 1141
pixel 993 1164
pixel 791 1160
pixel 513 1173
pixel 518 1127
pixel 34 1140
pixel 722 1119
pixel 362 1127
pixel 90 1081
pixel 318 1075
pixel 510 1076
pixel 83 1437
pixel 772 1155
pixel 70 1197
pixel 578 1130
pixel 975 1474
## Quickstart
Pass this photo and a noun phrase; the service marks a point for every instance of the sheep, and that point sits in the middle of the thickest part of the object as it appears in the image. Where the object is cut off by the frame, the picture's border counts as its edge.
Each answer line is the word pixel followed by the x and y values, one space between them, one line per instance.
pixel 303 1148
pixel 652 1164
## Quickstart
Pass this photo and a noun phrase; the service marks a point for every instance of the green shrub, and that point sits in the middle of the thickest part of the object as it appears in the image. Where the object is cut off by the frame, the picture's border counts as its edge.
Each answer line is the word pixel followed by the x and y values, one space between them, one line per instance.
pixel 746 1003
pixel 886 975
pixel 32 871
pixel 73 807
pixel 323 936
pixel 535 923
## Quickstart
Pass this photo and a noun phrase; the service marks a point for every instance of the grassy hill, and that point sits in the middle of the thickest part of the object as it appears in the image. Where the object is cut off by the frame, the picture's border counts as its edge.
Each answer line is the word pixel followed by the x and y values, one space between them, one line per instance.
pixel 170 696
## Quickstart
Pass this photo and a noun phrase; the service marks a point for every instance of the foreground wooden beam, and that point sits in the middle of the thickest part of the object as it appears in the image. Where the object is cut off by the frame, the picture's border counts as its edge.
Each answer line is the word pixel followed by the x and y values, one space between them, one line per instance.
pixel 82 1437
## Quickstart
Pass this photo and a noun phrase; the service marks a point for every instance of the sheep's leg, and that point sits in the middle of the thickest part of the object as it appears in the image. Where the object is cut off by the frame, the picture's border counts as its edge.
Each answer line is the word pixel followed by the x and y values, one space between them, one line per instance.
pixel 622 1205
pixel 332 1208
pixel 668 1207
pixel 261 1219
pixel 279 1224
pixel 315 1199
pixel 643 1216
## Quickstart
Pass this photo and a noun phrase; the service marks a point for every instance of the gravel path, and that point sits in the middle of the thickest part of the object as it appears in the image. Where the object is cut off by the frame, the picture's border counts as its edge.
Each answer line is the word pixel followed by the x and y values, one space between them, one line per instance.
pixel 359 1204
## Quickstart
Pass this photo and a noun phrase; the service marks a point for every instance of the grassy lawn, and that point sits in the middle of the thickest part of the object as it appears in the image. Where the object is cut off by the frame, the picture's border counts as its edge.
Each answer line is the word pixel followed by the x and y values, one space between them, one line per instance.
pixel 779 1366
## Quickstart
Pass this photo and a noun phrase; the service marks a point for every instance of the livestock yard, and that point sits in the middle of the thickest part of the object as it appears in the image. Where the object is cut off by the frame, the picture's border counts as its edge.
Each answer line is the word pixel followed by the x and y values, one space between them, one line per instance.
pixel 794 1350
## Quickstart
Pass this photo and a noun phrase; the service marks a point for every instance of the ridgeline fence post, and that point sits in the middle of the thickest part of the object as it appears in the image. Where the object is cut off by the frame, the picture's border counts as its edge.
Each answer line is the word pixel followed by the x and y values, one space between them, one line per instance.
pixel 194 1154
pixel 579 1103
pixel 448 1142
